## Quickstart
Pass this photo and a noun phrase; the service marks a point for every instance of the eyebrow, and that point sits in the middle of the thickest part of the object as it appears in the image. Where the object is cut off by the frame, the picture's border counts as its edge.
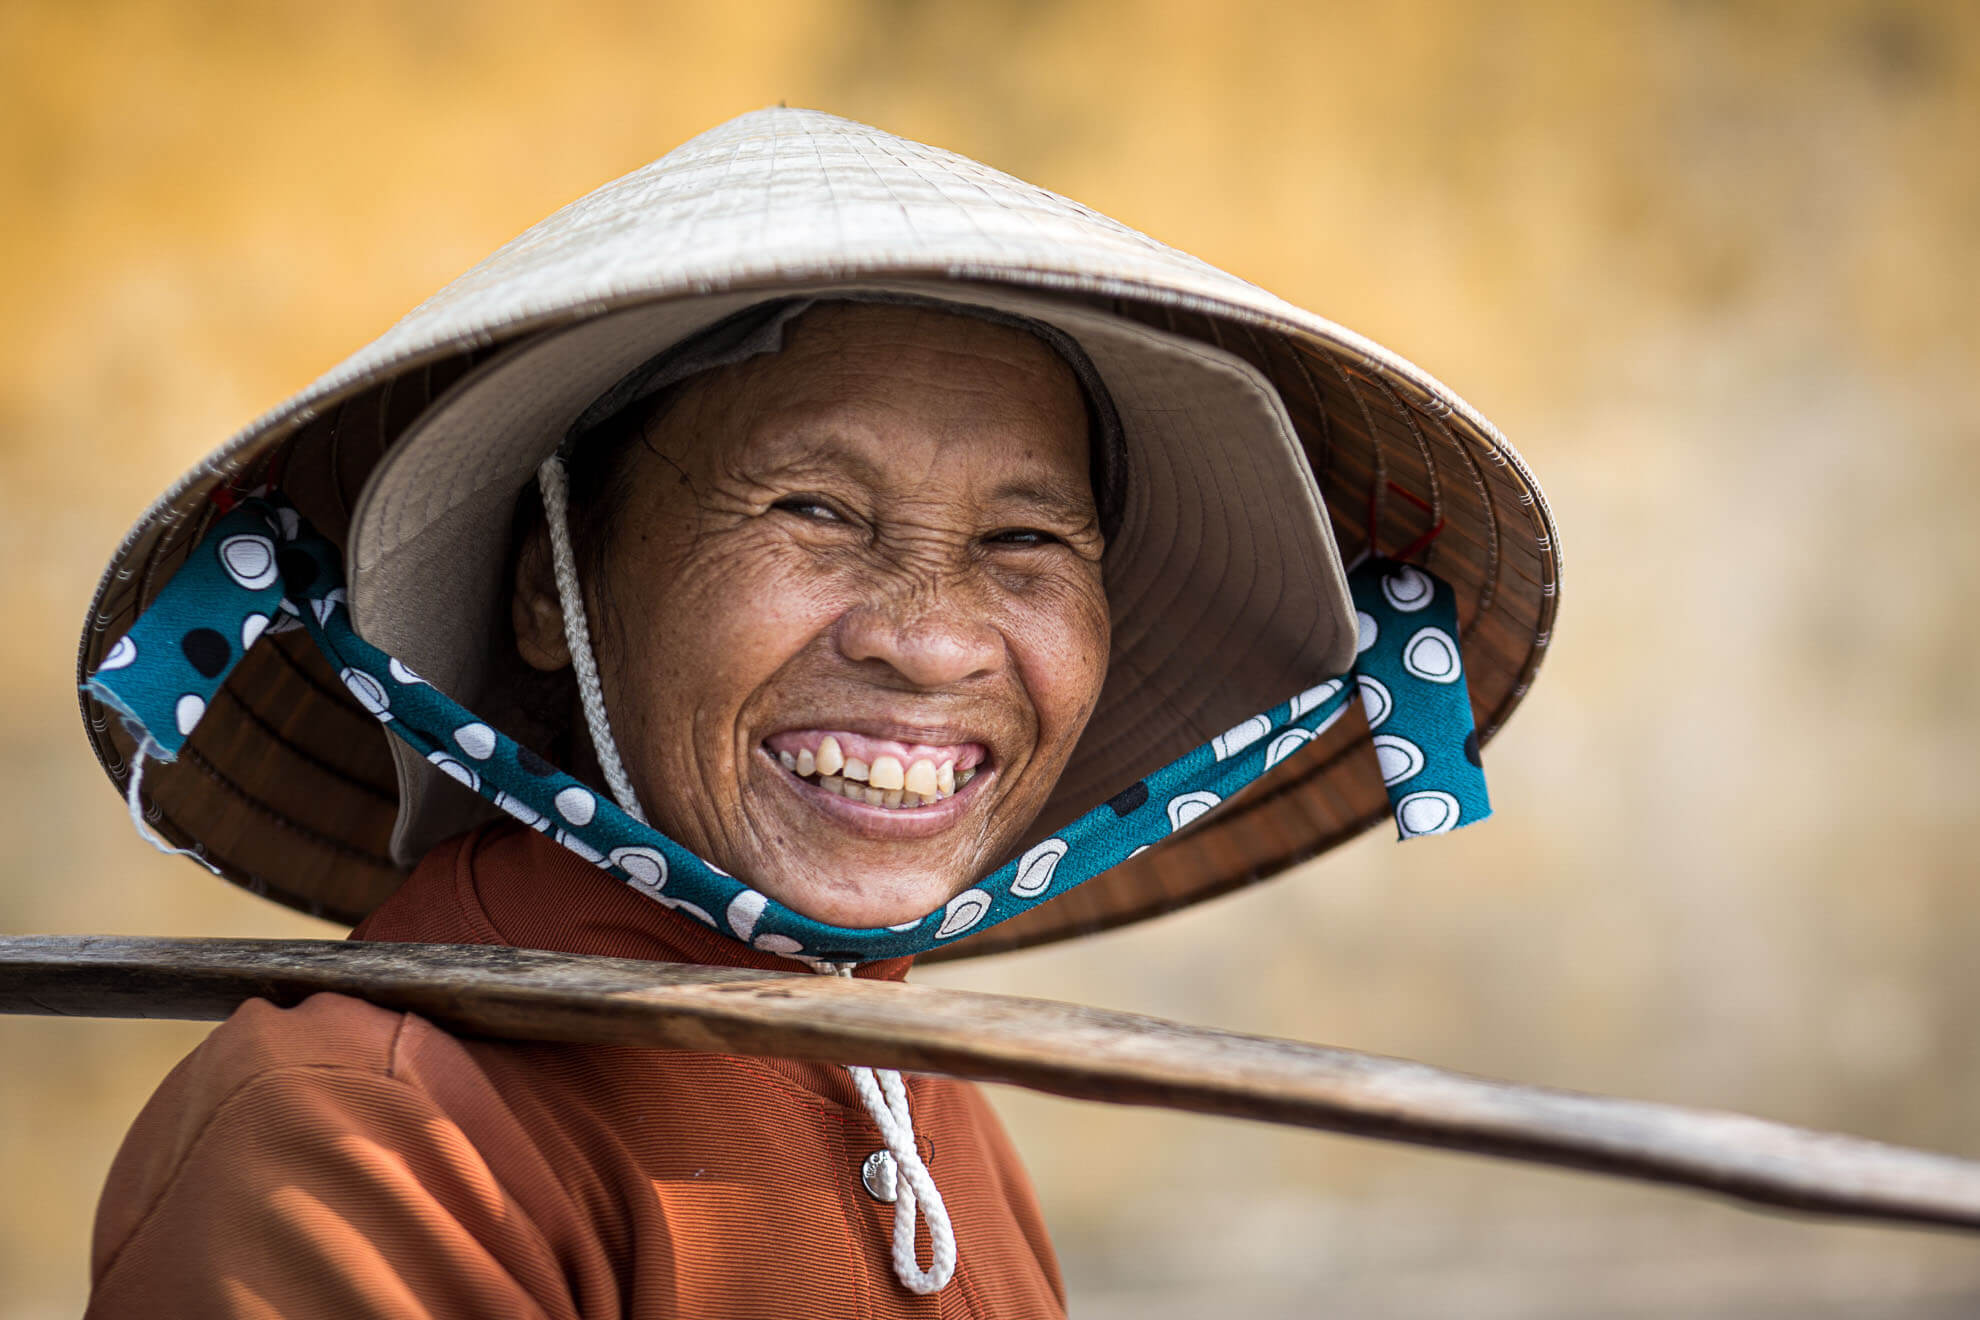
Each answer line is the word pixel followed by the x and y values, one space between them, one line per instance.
pixel 1054 499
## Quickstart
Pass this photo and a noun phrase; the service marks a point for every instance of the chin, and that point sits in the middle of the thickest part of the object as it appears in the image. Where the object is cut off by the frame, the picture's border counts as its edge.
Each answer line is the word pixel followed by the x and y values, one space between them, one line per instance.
pixel 835 905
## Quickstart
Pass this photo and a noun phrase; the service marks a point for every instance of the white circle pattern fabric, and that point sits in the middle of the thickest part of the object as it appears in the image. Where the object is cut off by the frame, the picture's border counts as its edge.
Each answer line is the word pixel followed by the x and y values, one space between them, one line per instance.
pixel 161 677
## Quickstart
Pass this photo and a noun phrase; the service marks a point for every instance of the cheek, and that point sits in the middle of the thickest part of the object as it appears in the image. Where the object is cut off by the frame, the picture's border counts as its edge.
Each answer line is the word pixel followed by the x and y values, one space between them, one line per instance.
pixel 705 625
pixel 1061 636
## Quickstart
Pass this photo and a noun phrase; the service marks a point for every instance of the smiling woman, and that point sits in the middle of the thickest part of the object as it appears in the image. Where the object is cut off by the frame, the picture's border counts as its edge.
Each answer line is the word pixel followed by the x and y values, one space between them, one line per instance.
pixel 813 550
pixel 880 717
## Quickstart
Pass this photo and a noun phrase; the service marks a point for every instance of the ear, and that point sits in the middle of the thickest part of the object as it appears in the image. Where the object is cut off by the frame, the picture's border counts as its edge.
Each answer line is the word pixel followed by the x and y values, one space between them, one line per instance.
pixel 534 610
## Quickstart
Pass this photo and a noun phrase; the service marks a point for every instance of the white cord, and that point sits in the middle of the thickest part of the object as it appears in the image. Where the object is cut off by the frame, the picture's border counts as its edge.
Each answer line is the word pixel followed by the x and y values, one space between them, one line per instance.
pixel 882 1091
pixel 884 1094
pixel 553 482
pixel 148 748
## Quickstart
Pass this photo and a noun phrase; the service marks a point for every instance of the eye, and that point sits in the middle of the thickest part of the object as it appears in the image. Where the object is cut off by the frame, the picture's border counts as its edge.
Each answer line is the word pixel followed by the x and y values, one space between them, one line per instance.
pixel 812 507
pixel 1022 536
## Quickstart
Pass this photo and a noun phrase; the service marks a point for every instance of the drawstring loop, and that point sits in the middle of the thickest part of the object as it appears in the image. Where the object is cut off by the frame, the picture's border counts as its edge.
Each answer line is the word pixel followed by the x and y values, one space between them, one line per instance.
pixel 884 1094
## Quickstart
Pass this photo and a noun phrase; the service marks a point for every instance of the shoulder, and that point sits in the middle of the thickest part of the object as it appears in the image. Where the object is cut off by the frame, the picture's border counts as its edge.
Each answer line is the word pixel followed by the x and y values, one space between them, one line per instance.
pixel 258 1045
pixel 258 1071
pixel 332 1060
pixel 296 1137
pixel 324 1031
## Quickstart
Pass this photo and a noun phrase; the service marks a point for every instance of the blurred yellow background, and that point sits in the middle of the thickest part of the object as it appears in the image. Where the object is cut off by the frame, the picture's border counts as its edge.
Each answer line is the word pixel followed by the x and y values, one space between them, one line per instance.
pixel 1712 267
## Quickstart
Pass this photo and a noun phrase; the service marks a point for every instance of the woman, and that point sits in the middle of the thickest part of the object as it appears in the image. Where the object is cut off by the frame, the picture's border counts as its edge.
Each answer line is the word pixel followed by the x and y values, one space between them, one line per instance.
pixel 912 549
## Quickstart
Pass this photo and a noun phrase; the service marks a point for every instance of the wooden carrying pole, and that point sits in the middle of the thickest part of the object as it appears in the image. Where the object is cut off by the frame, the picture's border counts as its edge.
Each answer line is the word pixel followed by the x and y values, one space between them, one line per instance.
pixel 1088 1053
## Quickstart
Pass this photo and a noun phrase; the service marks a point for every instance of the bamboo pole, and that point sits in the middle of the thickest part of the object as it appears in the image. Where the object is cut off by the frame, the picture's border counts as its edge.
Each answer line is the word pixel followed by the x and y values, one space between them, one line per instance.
pixel 1064 1049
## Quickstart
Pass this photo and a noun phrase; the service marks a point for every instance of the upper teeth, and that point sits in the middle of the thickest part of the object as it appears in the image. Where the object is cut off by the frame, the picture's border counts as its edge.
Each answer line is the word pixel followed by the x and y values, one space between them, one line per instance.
pixel 885 783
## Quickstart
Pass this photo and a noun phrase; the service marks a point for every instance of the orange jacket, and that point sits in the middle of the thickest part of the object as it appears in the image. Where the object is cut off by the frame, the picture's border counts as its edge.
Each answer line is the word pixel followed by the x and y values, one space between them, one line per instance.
pixel 336 1159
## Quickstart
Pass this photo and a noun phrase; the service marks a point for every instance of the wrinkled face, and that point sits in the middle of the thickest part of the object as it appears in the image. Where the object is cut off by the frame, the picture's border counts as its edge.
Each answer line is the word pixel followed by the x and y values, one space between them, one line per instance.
pixel 851 620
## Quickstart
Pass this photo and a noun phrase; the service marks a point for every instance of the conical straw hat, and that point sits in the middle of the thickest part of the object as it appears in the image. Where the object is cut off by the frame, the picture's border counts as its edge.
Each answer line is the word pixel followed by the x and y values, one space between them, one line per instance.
pixel 1227 596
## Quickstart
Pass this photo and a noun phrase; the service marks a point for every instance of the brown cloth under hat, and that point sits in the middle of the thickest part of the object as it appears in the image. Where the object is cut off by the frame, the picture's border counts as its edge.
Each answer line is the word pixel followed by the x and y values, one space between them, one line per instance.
pixel 337 1159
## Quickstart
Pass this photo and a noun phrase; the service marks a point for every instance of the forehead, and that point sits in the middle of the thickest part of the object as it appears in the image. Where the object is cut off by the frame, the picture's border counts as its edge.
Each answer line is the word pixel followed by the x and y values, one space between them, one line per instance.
pixel 894 391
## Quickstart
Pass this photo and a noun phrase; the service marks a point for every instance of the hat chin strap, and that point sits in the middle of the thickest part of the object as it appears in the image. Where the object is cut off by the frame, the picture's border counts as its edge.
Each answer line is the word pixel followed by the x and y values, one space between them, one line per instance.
pixel 554 483
pixel 881 1090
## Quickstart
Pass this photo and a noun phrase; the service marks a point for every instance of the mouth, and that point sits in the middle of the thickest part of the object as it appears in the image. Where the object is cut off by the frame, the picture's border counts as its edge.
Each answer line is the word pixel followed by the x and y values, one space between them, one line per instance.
pixel 884 773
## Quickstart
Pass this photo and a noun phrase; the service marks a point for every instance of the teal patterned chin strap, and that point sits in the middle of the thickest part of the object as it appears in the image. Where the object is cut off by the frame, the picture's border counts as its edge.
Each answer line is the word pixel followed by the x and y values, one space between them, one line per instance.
pixel 261 569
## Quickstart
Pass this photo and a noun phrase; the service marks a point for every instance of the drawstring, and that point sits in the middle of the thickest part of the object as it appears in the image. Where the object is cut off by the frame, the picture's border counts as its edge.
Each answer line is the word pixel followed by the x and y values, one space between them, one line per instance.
pixel 881 1090
pixel 145 749
pixel 884 1094
pixel 552 479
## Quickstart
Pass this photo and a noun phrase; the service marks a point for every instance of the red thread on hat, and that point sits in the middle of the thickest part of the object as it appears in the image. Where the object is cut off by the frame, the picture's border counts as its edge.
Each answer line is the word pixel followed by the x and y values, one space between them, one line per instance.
pixel 242 485
pixel 1421 543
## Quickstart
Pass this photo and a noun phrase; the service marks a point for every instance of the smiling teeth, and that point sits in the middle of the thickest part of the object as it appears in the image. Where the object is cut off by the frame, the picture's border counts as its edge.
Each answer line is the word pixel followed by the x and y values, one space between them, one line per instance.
pixel 885 783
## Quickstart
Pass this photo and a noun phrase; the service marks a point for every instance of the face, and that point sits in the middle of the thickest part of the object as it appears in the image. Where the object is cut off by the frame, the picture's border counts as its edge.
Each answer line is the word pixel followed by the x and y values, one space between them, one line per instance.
pixel 850 620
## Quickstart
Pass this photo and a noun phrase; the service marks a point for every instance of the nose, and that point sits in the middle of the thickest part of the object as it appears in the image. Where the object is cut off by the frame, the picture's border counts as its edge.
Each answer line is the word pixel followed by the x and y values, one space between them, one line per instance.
pixel 932 642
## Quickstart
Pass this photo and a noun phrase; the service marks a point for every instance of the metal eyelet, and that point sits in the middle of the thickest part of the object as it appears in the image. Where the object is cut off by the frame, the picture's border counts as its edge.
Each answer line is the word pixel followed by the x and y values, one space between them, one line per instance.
pixel 880 1178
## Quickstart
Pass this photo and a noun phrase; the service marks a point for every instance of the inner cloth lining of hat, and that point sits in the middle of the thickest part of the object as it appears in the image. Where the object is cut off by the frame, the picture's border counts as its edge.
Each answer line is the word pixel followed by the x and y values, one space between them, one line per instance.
pixel 759 329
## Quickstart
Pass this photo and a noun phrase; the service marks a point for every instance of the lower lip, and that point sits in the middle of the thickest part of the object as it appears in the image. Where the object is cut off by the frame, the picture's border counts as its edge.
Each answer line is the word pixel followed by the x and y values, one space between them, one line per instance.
pixel 881 822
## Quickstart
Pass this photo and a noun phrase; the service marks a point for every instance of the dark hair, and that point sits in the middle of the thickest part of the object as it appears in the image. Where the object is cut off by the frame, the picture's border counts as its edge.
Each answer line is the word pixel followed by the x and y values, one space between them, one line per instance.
pixel 595 467
pixel 594 471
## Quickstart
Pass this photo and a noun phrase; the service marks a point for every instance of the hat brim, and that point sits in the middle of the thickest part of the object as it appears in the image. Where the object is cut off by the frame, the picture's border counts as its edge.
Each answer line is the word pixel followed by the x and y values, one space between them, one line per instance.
pixel 289 788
